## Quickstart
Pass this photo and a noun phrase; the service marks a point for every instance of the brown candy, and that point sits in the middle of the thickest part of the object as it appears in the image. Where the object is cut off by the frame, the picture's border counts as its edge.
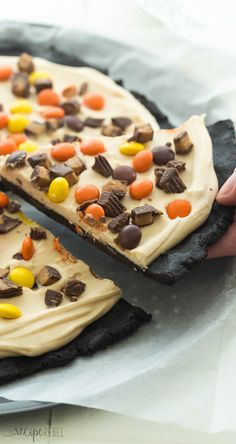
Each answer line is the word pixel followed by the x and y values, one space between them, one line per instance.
pixel 162 154
pixel 64 171
pixel 83 89
pixel 111 130
pixel 54 125
pixel 73 289
pixel 111 204
pixel 119 222
pixel 37 233
pixel 170 182
pixel 20 86
pixel 36 128
pixel 117 187
pixel 69 91
pixel 8 223
pixel 13 206
pixel 70 138
pixel 55 141
pixel 93 123
pixel 41 84
pixel 9 289
pixel 52 298
pixel 41 177
pixel 71 107
pixel 18 256
pixel 47 276
pixel 74 123
pixel 25 63
pixel 84 205
pixel 121 122
pixel 102 166
pixel 76 164
pixel 16 159
pixel 183 144
pixel 178 164
pixel 144 215
pixel 41 159
pixel 124 173
pixel 142 133
pixel 129 237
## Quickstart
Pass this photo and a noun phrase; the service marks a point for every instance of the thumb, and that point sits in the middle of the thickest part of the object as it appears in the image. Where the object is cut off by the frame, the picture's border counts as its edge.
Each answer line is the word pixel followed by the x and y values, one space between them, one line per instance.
pixel 227 194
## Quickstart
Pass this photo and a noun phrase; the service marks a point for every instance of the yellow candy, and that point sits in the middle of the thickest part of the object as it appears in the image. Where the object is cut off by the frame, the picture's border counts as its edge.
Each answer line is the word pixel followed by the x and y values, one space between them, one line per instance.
pixel 9 311
pixel 21 106
pixel 38 75
pixel 131 148
pixel 58 190
pixel 17 123
pixel 21 276
pixel 28 147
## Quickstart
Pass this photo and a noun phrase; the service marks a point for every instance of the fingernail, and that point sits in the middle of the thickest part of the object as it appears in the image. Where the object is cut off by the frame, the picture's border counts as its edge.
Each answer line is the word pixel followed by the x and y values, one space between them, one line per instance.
pixel 228 185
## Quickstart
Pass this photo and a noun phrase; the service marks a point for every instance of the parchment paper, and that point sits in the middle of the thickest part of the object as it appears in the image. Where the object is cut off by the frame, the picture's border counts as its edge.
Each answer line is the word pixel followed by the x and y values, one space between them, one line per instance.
pixel 181 368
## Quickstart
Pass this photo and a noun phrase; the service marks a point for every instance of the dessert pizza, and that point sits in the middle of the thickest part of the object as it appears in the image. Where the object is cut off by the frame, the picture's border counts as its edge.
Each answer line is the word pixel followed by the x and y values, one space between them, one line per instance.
pixel 86 151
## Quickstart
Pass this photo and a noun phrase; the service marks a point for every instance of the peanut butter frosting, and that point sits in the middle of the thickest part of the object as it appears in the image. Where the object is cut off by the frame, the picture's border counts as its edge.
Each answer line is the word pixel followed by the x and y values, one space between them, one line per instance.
pixel 41 329
pixel 199 176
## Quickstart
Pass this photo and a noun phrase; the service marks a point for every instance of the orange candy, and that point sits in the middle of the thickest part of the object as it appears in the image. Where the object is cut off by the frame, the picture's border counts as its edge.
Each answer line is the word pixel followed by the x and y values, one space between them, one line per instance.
pixel 7 146
pixel 63 151
pixel 142 161
pixel 85 193
pixel 27 249
pixel 95 211
pixel 3 120
pixel 18 138
pixel 94 101
pixel 53 112
pixel 4 201
pixel 140 188
pixel 48 97
pixel 92 147
pixel 5 73
pixel 178 208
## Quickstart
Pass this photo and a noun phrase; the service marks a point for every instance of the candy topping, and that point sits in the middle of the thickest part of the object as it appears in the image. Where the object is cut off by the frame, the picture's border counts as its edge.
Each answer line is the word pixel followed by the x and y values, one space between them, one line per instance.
pixel 48 97
pixel 63 151
pixel 183 144
pixel 92 147
pixel 178 208
pixel 9 311
pixel 131 148
pixel 124 173
pixel 140 189
pixel 27 249
pixel 142 161
pixel 22 277
pixel 95 102
pixel 7 146
pixel 4 200
pixel 162 154
pixel 58 190
pixel 129 237
pixel 95 211
pixel 86 193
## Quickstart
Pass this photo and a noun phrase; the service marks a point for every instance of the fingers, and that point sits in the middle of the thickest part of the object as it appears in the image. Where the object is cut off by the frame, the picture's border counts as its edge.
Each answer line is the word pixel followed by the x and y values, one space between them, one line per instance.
pixel 227 194
pixel 226 245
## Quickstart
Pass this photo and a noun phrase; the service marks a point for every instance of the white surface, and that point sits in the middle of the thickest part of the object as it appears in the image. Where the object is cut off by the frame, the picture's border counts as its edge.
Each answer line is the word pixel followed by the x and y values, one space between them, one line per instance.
pixel 105 17
pixel 74 425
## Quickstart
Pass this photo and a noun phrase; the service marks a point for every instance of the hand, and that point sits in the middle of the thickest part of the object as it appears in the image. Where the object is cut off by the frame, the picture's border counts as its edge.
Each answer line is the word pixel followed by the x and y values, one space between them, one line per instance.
pixel 226 245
